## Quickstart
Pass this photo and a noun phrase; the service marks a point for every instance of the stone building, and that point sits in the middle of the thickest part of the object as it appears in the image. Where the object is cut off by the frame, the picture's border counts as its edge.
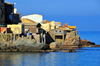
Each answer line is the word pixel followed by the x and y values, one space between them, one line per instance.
pixel 60 34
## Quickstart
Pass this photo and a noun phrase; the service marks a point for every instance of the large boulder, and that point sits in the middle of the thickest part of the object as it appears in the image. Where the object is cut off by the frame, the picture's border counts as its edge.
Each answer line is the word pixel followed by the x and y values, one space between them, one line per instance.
pixel 72 41
pixel 53 45
pixel 27 44
pixel 3 44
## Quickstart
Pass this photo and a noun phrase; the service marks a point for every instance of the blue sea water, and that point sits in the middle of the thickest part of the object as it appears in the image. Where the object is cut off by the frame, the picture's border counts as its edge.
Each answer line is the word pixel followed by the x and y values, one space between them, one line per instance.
pixel 88 56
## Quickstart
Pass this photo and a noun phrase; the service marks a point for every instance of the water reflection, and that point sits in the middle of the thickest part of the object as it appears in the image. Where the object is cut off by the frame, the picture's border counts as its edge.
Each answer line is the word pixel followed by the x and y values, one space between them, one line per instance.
pixel 51 59
pixel 20 59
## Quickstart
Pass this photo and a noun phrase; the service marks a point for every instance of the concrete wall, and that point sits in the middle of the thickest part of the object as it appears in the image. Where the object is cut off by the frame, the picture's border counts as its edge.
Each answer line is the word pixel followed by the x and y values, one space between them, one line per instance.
pixel 70 34
pixel 16 28
pixel 15 10
pixel 34 17
pixel 46 27
pixel 31 29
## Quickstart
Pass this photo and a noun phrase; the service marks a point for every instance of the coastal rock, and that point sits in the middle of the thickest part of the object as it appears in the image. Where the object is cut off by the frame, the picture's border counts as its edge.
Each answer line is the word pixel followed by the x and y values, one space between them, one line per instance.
pixel 53 45
pixel 70 50
pixel 72 41
pixel 27 44
pixel 84 42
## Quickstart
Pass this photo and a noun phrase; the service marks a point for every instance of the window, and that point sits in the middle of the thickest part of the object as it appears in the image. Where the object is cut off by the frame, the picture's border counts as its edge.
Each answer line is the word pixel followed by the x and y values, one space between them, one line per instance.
pixel 55 30
pixel 58 37
pixel 60 31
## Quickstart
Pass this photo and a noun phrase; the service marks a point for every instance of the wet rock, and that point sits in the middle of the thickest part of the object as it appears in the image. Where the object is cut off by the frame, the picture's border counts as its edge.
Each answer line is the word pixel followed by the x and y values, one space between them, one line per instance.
pixel 86 43
pixel 71 41
pixel 96 45
pixel 53 45
pixel 70 50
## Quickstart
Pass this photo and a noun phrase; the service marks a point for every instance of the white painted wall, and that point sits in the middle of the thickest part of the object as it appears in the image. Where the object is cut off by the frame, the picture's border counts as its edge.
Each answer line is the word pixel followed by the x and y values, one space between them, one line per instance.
pixel 15 10
pixel 34 17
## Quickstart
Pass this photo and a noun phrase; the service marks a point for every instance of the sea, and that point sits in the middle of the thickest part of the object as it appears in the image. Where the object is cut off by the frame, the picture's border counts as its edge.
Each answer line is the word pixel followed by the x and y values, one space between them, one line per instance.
pixel 86 56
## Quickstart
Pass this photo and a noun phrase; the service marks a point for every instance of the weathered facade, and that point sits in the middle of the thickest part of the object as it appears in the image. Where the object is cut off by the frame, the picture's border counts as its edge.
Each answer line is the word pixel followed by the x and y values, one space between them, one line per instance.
pixel 59 34
pixel 2 12
pixel 31 27
pixel 29 24
pixel 16 28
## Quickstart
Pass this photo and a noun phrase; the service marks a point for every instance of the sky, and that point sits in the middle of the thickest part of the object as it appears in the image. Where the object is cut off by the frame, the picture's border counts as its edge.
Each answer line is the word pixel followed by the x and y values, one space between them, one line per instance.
pixel 84 14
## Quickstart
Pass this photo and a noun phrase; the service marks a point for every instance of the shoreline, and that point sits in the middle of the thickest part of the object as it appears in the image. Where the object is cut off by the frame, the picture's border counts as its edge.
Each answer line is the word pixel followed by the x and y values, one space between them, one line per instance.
pixel 48 50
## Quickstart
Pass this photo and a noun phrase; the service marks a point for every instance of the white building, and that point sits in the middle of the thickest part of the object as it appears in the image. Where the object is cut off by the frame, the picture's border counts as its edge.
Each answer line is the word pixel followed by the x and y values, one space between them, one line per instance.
pixel 34 17
pixel 15 10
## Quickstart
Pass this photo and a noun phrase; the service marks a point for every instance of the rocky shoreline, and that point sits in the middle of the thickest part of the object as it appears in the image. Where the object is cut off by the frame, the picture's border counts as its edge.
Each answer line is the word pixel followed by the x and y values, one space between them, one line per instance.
pixel 26 45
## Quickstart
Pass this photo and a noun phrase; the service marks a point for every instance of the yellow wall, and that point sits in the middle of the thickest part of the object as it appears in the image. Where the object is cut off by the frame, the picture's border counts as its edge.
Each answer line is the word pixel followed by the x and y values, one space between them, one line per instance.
pixel 49 26
pixel 46 27
pixel 16 28
pixel 53 25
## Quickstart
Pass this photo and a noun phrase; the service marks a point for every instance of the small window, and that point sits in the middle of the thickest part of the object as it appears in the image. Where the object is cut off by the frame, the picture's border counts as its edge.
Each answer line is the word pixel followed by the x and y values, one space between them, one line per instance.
pixel 60 31
pixel 55 30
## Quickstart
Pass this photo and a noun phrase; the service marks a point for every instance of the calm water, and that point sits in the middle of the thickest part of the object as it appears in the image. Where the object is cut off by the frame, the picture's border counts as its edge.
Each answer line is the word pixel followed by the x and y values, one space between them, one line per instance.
pixel 89 56
pixel 93 36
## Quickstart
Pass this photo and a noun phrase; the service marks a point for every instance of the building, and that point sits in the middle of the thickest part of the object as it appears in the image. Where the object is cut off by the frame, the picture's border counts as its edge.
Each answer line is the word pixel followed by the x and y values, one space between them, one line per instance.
pixel 34 17
pixel 16 28
pixel 8 13
pixel 50 25
pixel 15 11
pixel 45 21
pixel 2 12
pixel 5 30
pixel 11 16
pixel 59 34
pixel 29 25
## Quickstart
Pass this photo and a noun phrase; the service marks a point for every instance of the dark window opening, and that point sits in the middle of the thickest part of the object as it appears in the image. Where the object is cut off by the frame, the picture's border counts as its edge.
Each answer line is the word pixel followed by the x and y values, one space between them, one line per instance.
pixel 60 31
pixel 58 37
pixel 68 31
